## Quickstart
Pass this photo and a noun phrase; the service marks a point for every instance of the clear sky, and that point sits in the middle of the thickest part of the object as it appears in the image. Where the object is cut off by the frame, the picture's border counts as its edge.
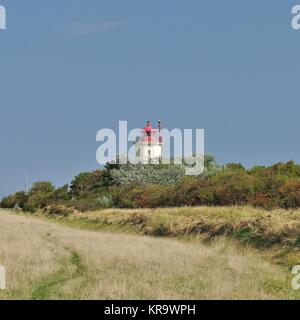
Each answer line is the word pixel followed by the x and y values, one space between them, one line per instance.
pixel 71 67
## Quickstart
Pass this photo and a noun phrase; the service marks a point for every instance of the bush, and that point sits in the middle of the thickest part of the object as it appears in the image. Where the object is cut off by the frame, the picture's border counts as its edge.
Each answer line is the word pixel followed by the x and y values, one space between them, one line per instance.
pixel 266 181
pixel 104 201
pixel 153 196
pixel 262 200
pixel 83 204
pixel 192 191
pixel 233 188
pixel 8 202
pixel 61 194
pixel 18 199
pixel 39 196
pixel 59 210
pixel 289 194
pixel 150 196
pixel 152 186
pixel 87 183
pixel 234 166
pixel 147 174
pixel 289 169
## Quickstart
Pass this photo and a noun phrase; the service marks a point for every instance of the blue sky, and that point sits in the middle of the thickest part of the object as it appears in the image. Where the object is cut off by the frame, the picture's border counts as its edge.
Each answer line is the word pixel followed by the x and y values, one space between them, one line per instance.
pixel 71 67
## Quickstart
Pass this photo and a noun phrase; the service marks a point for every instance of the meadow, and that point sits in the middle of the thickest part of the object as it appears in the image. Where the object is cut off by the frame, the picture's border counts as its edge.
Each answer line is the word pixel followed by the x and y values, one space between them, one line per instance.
pixel 178 253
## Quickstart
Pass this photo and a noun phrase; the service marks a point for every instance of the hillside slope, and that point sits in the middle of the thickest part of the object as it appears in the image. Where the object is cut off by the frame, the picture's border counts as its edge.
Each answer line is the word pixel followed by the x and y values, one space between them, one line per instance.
pixel 44 260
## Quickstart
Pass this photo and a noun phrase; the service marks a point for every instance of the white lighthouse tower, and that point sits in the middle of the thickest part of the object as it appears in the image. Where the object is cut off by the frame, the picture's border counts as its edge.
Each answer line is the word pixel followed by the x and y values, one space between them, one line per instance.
pixel 149 148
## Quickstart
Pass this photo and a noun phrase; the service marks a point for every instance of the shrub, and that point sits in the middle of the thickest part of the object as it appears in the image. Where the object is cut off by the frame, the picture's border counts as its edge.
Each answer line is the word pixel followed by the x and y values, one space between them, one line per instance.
pixel 39 196
pixel 266 181
pixel 61 194
pixel 80 185
pixel 150 196
pixel 234 166
pixel 129 197
pixel 59 210
pixel 134 186
pixel 87 183
pixel 42 187
pixel 104 201
pixel 147 174
pixel 232 188
pixel 83 204
pixel 263 200
pixel 289 169
pixel 187 191
pixel 18 199
pixel 8 202
pixel 289 194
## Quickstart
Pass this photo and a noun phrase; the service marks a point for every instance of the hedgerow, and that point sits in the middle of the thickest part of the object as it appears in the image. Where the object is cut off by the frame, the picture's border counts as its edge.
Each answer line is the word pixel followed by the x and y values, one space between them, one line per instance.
pixel 152 186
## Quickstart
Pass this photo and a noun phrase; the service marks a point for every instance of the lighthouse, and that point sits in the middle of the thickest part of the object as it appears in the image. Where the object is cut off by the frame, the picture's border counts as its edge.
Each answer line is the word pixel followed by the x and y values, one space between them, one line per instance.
pixel 149 147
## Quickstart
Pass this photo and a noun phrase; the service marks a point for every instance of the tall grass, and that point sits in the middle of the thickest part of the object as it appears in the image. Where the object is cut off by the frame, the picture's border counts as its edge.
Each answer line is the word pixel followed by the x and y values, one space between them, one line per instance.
pixel 46 260
pixel 275 233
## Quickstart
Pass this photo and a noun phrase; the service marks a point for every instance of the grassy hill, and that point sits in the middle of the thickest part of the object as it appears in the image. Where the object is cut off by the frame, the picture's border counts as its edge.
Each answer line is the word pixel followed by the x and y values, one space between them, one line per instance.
pixel 273 233
pixel 212 258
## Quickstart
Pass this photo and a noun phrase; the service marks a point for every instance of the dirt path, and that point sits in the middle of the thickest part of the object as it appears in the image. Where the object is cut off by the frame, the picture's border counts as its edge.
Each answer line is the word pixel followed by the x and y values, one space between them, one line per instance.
pixel 72 268
pixel 44 260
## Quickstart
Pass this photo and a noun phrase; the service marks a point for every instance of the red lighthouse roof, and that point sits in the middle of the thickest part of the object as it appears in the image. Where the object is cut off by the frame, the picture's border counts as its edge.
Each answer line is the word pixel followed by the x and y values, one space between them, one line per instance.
pixel 148 127
pixel 149 134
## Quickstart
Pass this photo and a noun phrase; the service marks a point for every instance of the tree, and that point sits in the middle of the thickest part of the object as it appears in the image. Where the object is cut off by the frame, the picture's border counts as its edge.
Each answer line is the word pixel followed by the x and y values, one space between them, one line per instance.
pixel 210 162
pixel 289 169
pixel 234 166
pixel 87 183
pixel 40 195
pixel 61 194
pixel 18 199
pixel 80 184
pixel 107 178
pixel 96 181
pixel 42 186
pixel 289 193
pixel 232 188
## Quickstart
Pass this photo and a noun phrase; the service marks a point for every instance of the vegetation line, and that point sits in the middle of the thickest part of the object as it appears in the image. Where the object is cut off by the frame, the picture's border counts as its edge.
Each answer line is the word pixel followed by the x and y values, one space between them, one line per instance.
pixel 155 186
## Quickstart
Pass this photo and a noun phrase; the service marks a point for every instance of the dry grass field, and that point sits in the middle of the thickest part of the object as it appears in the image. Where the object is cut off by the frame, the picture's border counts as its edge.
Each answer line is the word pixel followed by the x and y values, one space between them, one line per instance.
pixel 275 234
pixel 48 260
